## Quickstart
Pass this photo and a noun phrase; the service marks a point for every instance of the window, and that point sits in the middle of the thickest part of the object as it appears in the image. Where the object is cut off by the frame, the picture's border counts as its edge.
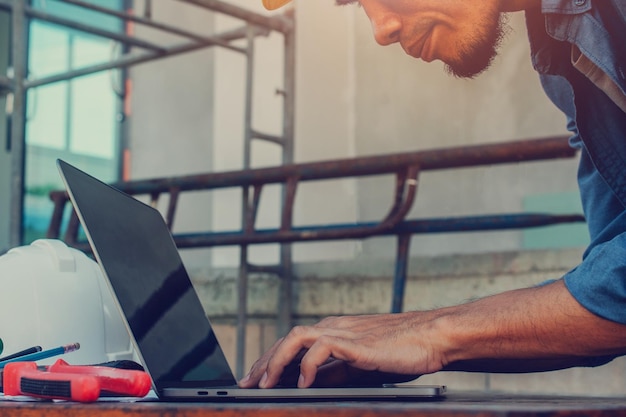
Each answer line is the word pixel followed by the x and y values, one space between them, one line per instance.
pixel 76 120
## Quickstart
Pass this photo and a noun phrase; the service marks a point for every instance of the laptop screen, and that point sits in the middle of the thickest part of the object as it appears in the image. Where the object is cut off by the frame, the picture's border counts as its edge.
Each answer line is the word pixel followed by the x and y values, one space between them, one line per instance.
pixel 134 247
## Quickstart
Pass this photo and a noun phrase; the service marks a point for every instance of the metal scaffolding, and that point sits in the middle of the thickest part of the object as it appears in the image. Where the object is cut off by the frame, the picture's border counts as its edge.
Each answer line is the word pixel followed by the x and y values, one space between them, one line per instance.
pixel 16 85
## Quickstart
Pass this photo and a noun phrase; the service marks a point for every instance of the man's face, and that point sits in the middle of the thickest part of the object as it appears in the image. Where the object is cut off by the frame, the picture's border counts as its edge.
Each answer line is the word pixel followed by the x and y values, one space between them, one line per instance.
pixel 464 34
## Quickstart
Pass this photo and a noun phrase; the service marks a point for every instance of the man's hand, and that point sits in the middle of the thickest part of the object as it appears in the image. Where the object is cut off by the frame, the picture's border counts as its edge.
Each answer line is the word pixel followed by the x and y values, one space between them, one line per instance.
pixel 357 350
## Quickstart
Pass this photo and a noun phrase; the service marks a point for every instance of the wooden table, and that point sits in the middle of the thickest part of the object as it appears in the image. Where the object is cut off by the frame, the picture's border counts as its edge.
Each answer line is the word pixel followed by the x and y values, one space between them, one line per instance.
pixel 455 404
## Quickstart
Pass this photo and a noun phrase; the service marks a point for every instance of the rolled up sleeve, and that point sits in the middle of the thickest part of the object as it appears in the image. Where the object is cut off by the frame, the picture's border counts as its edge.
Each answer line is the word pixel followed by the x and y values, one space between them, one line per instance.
pixel 599 282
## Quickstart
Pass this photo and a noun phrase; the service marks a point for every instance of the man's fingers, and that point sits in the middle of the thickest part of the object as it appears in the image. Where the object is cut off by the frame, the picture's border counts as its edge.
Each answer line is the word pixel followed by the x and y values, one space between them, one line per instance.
pixel 324 348
pixel 251 380
pixel 299 338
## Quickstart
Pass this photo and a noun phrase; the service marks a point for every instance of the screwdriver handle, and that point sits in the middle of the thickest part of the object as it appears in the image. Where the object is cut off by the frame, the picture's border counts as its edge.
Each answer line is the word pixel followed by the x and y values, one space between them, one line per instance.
pixel 125 382
pixel 23 378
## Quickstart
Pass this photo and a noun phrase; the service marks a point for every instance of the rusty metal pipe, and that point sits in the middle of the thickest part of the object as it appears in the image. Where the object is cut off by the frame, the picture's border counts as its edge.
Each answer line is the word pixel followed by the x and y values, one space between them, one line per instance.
pixel 350 231
pixel 469 156
pixel 435 159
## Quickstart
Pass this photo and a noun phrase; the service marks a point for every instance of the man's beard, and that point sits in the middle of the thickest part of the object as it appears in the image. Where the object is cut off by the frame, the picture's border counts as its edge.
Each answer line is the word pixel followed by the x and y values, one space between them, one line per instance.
pixel 478 53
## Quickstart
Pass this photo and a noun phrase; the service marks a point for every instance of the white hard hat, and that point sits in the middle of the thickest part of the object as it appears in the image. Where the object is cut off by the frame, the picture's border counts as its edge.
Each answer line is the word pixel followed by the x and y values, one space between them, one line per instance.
pixel 52 295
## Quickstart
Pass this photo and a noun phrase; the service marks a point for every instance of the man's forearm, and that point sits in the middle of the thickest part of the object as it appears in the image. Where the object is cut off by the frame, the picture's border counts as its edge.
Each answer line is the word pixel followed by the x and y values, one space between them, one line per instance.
pixel 535 323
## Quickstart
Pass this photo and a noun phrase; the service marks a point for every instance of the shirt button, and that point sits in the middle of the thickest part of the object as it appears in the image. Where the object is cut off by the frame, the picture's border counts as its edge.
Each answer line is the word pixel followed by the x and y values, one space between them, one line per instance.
pixel 580 2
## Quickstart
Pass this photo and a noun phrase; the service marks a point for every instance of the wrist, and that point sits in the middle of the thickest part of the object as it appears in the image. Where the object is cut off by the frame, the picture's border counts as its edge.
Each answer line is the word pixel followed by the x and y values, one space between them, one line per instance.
pixel 437 334
pixel 456 337
pixel 474 330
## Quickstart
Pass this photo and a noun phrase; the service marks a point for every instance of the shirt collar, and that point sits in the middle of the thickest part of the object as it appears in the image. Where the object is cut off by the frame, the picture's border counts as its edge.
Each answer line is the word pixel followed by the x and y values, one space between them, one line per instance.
pixel 565 6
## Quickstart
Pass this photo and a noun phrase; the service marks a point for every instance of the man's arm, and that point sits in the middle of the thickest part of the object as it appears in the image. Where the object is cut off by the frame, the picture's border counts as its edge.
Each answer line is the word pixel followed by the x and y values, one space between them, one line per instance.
pixel 543 324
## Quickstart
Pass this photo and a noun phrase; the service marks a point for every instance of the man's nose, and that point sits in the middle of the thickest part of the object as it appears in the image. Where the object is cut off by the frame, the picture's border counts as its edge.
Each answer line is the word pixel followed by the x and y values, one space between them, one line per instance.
pixel 386 27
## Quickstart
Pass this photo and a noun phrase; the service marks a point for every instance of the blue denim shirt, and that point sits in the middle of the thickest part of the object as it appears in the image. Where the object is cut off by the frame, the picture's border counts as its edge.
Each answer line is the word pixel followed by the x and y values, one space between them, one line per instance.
pixel 598 129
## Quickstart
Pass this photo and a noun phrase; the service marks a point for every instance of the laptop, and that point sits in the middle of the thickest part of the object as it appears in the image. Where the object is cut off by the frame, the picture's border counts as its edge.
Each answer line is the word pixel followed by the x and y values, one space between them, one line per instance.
pixel 161 310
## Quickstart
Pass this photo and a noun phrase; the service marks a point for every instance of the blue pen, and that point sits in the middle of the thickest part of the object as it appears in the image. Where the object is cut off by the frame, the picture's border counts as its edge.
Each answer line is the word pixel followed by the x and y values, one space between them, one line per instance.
pixel 43 354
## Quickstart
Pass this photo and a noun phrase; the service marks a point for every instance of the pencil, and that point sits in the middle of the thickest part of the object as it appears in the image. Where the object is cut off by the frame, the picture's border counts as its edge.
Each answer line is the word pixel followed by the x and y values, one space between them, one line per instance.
pixel 21 353
pixel 43 354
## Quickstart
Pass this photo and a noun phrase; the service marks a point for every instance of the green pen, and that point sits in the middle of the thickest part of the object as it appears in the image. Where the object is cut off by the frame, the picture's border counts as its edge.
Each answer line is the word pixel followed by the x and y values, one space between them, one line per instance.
pixel 1 346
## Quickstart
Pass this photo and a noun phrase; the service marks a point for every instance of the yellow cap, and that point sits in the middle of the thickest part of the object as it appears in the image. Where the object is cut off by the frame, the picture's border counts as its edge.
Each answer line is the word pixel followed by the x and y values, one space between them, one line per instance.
pixel 274 4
